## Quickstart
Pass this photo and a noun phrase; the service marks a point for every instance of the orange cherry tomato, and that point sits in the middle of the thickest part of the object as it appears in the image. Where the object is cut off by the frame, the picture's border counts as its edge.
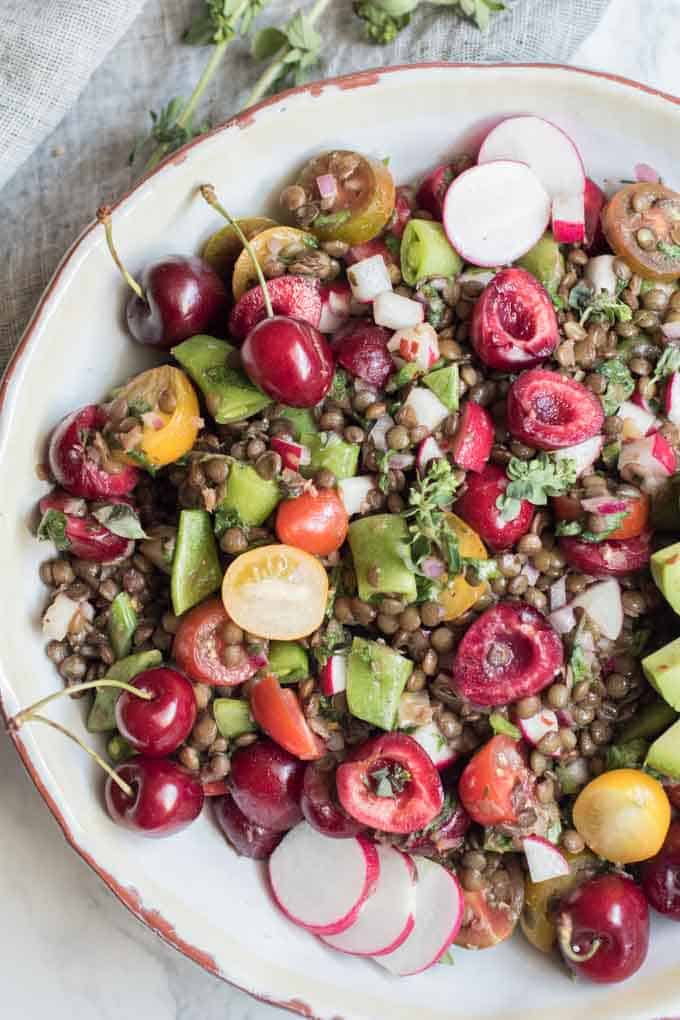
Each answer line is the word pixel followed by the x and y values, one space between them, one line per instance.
pixel 623 815
pixel 566 508
pixel 277 711
pixel 491 780
pixel 486 922
pixel 458 595
pixel 364 198
pixel 649 213
pixel 165 435
pixel 316 521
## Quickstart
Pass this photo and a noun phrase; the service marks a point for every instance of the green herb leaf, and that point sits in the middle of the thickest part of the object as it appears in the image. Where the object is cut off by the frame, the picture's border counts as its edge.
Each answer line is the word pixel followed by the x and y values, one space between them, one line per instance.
pixel 628 755
pixel 497 842
pixel 406 374
pixel 610 454
pixel 568 528
pixel 579 665
pixel 668 363
pixel 138 406
pixel 671 250
pixel 52 528
pixel 227 518
pixel 600 306
pixel 166 131
pixel 379 26
pixel 267 43
pixel 499 724
pixel 436 307
pixel 141 459
pixel 382 459
pixel 481 570
pixel 221 20
pixel 613 522
pixel 639 641
pixel 558 302
pixel 429 530
pixel 620 384
pixel 535 480
pixel 389 780
pixel 120 519
pixel 333 637
pixel 335 219
pixel 341 386
pixel 393 244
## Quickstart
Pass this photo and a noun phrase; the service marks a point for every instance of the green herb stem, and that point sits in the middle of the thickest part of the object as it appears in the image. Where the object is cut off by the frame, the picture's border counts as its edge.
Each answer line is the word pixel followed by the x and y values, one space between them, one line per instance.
pixel 277 67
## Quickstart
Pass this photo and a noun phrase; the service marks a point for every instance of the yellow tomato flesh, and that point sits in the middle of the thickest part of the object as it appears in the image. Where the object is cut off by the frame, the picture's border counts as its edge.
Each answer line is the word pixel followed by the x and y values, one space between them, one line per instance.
pixel 277 592
pixel 223 248
pixel 537 920
pixel 266 245
pixel 459 595
pixel 178 431
pixel 623 815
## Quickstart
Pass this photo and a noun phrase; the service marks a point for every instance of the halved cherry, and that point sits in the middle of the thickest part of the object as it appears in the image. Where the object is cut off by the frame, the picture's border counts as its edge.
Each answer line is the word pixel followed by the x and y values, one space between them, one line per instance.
pixel 496 783
pixel 433 188
pixel 608 559
pixel 320 804
pixel 199 647
pixel 509 652
pixel 486 921
pixel 642 224
pixel 298 297
pixel 247 838
pixel 548 411
pixel 446 834
pixel 594 199
pixel 356 193
pixel 477 506
pixel 361 347
pixel 77 463
pixel 471 445
pixel 513 323
pixel 389 783
pixel 277 711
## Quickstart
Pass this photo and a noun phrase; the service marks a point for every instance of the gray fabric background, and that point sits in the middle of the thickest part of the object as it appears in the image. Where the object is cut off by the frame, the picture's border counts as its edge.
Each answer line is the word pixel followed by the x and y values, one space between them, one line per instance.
pixel 49 49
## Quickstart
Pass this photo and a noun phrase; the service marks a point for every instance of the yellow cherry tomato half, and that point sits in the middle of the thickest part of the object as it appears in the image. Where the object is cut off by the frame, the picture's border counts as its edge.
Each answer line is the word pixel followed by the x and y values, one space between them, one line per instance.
pixel 168 412
pixel 222 249
pixel 276 592
pixel 541 898
pixel 459 595
pixel 623 815
pixel 364 196
pixel 268 245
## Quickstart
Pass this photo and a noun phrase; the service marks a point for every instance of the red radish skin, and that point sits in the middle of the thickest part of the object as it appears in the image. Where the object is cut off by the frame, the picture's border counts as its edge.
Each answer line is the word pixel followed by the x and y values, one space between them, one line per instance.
pixel 430 738
pixel 548 411
pixel 509 652
pixel 293 455
pixel 412 807
pixel 432 190
pixel 403 210
pixel 428 450
pixel 361 348
pixel 544 859
pixel 477 507
pixel 336 303
pixel 319 883
pixel 388 916
pixel 369 248
pixel 471 445
pixel 608 559
pixel 568 219
pixel 72 466
pixel 297 297
pixel 537 726
pixel 514 325
pixel 594 201
pixel 333 676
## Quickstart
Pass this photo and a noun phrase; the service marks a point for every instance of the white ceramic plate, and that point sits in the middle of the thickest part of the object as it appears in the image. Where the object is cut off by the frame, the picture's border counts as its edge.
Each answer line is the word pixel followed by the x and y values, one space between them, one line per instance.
pixel 192 889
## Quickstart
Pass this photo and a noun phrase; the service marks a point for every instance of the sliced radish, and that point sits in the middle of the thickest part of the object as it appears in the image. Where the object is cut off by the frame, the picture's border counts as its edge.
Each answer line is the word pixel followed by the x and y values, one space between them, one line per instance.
pixel 369 278
pixel 396 311
pixel 336 305
pixel 418 345
pixel 555 160
pixel 429 449
pixel 639 421
pixel 594 200
pixel 388 916
pixel 671 398
pixel 433 741
pixel 602 604
pixel 439 914
pixel 427 408
pixel 583 454
pixel 531 573
pixel 333 676
pixel 294 455
pixel 493 214
pixel 354 492
pixel 568 218
pixel 544 860
pixel 599 274
pixel 472 444
pixel 563 620
pixel 537 726
pixel 651 461
pixel 641 401
pixel 378 434
pixel 322 883
pixel 58 617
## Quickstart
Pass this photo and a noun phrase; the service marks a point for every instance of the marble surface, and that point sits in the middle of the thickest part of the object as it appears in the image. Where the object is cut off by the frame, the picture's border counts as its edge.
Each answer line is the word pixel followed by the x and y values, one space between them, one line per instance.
pixel 68 948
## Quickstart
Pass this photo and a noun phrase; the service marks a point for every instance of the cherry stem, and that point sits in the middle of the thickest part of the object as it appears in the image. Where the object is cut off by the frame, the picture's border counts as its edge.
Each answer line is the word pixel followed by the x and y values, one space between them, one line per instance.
pixel 125 787
pixel 210 195
pixel 26 714
pixel 104 217
pixel 564 933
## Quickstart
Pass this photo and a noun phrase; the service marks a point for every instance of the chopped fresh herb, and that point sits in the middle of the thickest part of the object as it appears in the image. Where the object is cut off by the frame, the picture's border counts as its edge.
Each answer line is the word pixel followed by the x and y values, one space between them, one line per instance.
pixel 620 384
pixel 379 26
pixel 568 528
pixel 389 780
pixel 405 375
pixel 341 386
pixel 497 842
pixel 639 640
pixel 52 528
pixel 668 363
pixel 170 129
pixel 628 755
pixel 393 244
pixel 335 219
pixel 140 458
pixel 499 724
pixel 333 637
pixel 670 250
pixel 558 302
pixel 218 22
pixel 138 406
pixel 382 459
pixel 430 533
pixel 580 669
pixel 327 709
pixel 481 570
pixel 535 480
pixel 576 528
pixel 600 307
pixel 610 453
pixel 225 519
pixel 436 307
pixel 121 519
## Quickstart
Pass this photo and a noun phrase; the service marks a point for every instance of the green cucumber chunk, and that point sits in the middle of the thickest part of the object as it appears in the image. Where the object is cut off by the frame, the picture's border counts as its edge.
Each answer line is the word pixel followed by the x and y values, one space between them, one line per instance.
pixel 288 661
pixel 101 718
pixel 662 669
pixel 380 540
pixel 544 261
pixel 426 251
pixel 648 722
pixel 122 624
pixel 251 497
pixel 329 451
pixel 233 718
pixel 444 383
pixel 301 419
pixel 665 567
pixel 196 570
pixel 664 754
pixel 118 749
pixel 376 678
pixel 228 392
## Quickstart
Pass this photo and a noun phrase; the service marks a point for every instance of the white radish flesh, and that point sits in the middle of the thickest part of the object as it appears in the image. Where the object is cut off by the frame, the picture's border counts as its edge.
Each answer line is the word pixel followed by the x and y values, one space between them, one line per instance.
pixel 493 214
pixel 427 408
pixel 378 434
pixel 602 604
pixel 640 421
pixel 354 492
pixel 568 218
pixel 369 278
pixel 563 620
pixel 432 740
pixel 672 398
pixel 333 676
pixel 58 616
pixel 599 274
pixel 388 916
pixel 650 461
pixel 417 344
pixel 539 725
pixel 544 860
pixel 428 449
pixel 394 311
pixel 439 914
pixel 322 883
pixel 583 454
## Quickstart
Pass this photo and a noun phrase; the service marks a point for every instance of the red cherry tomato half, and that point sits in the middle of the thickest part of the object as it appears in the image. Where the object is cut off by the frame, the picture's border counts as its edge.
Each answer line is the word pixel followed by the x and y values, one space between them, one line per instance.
pixel 199 647
pixel 277 711
pixel 486 921
pixel 495 782
pixel 316 521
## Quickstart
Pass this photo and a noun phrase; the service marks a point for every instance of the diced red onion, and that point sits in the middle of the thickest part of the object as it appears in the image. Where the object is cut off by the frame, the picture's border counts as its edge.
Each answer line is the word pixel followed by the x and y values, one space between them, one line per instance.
pixel 258 661
pixel 671 330
pixel 431 566
pixel 378 433
pixel 645 172
pixel 532 575
pixel 604 505
pixel 327 185
pixel 152 420
pixel 558 594
pixel 563 620
pixel 402 461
